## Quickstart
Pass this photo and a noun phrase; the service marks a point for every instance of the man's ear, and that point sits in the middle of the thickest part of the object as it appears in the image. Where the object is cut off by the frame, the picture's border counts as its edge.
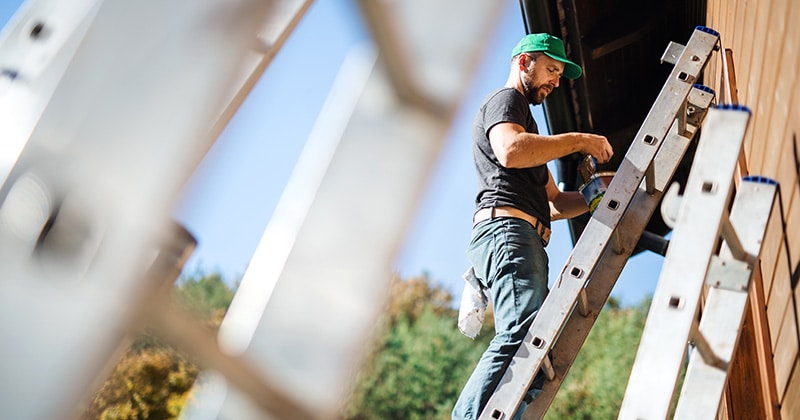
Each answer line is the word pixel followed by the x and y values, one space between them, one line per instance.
pixel 521 60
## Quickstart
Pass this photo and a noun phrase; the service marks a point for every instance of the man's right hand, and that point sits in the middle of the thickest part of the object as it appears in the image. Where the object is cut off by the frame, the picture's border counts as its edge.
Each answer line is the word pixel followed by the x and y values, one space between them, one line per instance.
pixel 597 146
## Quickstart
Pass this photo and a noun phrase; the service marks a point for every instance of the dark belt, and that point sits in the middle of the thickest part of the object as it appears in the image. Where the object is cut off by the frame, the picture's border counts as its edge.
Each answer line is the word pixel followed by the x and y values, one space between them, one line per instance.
pixel 507 211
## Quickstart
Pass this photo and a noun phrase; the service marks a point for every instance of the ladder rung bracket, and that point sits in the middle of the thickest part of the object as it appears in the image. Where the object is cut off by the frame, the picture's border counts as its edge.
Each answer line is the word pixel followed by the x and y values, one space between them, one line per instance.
pixel 726 303
pixel 558 306
pixel 676 299
pixel 574 334
pixel 672 52
pixel 700 98
pixel 731 274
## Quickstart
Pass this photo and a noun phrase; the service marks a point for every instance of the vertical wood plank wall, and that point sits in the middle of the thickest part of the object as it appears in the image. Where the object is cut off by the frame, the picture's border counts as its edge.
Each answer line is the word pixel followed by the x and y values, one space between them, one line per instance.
pixel 765 39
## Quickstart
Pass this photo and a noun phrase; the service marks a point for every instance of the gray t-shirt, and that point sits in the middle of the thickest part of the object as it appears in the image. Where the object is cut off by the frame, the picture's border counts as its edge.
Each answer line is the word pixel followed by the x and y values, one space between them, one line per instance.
pixel 522 188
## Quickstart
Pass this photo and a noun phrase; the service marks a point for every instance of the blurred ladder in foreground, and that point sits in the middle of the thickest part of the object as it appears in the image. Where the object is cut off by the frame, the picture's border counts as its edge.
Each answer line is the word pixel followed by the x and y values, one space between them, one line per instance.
pixel 696 261
pixel 106 108
pixel 558 332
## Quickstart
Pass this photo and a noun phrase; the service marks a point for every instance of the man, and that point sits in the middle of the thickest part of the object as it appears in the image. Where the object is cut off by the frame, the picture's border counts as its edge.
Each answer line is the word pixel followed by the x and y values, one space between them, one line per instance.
pixel 516 200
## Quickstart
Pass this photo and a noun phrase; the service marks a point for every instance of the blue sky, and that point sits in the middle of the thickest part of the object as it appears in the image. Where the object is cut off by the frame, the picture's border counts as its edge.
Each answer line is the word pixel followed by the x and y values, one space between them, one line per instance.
pixel 231 197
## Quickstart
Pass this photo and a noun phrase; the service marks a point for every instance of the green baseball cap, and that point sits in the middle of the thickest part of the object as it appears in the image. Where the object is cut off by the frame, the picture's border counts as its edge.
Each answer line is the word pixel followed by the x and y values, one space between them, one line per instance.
pixel 553 47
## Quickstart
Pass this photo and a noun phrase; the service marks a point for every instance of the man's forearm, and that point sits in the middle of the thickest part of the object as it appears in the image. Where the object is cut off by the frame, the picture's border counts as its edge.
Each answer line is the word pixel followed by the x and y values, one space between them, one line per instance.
pixel 567 204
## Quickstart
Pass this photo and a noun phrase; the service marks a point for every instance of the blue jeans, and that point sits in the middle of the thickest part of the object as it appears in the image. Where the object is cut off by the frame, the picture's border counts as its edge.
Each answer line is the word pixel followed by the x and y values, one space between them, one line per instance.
pixel 508 257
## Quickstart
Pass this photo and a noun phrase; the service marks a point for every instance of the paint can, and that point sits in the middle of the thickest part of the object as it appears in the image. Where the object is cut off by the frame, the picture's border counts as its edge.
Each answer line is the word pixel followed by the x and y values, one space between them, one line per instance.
pixel 595 187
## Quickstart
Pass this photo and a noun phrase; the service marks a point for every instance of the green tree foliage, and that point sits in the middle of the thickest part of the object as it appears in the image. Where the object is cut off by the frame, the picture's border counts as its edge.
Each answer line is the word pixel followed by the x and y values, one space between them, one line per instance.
pixel 420 361
pixel 204 295
pixel 409 363
pixel 153 380
pixel 415 367
pixel 152 383
pixel 595 385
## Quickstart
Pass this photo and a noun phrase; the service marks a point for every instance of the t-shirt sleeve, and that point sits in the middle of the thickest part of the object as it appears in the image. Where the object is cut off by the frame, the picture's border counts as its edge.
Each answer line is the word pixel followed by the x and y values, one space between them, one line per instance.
pixel 505 106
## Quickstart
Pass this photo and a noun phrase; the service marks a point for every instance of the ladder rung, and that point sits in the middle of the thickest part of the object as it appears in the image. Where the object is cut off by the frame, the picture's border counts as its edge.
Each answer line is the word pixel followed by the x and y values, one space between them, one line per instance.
pixel 705 350
pixel 649 178
pixel 547 368
pixel 733 242
pixel 583 303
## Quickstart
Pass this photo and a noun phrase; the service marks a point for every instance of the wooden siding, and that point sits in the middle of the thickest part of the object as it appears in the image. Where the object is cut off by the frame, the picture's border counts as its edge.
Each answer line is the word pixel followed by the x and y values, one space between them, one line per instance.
pixel 765 41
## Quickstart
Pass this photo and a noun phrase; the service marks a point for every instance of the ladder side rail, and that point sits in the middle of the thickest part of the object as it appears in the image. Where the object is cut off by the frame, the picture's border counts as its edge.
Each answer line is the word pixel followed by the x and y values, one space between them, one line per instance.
pixel 72 276
pixel 35 57
pixel 581 263
pixel 662 349
pixel 577 329
pixel 726 304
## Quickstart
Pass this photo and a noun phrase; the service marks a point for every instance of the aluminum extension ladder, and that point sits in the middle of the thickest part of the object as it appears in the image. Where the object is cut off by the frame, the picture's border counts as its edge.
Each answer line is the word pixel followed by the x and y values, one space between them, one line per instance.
pixel 558 332
pixel 692 263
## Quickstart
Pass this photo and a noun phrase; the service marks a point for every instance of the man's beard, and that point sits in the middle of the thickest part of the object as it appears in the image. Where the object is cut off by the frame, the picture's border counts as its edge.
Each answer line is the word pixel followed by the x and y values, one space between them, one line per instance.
pixel 534 93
